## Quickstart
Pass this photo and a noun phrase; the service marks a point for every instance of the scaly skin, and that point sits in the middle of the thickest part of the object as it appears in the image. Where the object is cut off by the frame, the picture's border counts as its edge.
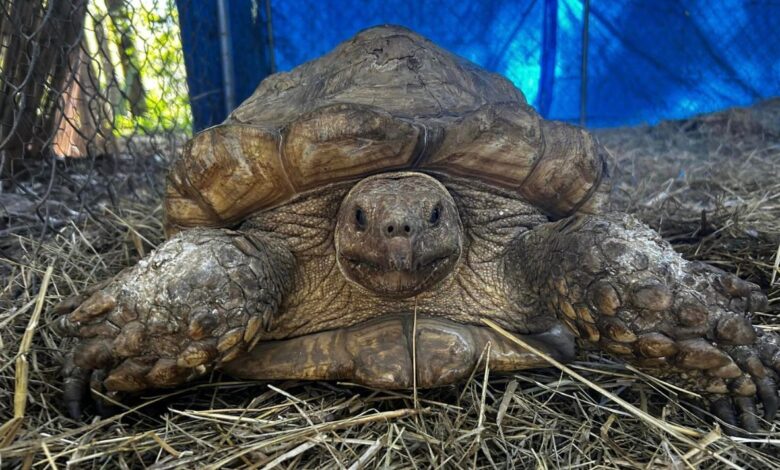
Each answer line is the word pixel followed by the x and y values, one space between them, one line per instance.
pixel 617 284
pixel 300 258
pixel 192 304
pixel 197 301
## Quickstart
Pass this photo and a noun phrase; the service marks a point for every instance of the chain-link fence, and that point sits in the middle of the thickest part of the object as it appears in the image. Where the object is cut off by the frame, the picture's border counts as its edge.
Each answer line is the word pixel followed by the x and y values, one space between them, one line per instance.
pixel 95 85
pixel 93 105
pixel 95 101
pixel 91 78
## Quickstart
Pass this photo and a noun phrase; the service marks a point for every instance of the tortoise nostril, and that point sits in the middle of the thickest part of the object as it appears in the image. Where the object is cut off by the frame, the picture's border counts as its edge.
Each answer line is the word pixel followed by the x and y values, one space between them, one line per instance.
pixel 397 228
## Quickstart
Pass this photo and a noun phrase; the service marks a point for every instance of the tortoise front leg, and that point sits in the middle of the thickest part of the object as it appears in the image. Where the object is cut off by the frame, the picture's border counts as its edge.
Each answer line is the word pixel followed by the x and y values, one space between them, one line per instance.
pixel 617 284
pixel 197 301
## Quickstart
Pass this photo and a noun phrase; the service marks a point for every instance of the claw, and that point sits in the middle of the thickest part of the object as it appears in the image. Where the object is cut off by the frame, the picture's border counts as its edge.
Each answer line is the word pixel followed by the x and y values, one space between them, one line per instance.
pixel 252 327
pixel 733 286
pixel 102 329
pixel 74 387
pixel 66 328
pixel 97 386
pixel 104 408
pixel 758 302
pixel 722 409
pixel 736 329
pixel 767 390
pixel 747 413
pixel 74 409
pixel 100 302
pixel 700 354
pixel 165 373
pixel 267 317
pixel 128 376
pixel 743 386
pixel 230 339
pixel 197 353
pixel 68 305
pixel 231 354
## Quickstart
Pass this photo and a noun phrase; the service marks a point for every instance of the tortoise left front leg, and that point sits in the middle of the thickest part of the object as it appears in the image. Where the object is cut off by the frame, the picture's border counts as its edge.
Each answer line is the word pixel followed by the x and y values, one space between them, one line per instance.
pixel 617 284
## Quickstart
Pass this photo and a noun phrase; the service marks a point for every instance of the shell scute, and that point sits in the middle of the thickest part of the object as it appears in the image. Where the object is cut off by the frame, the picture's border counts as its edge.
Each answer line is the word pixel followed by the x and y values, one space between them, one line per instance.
pixel 497 143
pixel 386 100
pixel 346 140
pixel 226 173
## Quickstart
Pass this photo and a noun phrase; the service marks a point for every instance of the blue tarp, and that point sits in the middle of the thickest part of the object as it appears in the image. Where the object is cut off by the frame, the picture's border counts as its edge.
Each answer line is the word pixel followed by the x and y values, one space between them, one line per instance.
pixel 646 60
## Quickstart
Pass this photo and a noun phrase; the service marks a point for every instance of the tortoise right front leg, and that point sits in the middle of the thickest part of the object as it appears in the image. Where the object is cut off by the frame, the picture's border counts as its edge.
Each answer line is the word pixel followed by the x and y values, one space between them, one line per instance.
pixel 197 301
pixel 618 284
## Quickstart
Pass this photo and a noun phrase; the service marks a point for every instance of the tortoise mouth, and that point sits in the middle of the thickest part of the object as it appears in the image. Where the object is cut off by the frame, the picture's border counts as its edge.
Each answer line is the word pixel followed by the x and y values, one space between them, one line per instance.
pixel 388 279
pixel 380 353
pixel 365 264
pixel 384 277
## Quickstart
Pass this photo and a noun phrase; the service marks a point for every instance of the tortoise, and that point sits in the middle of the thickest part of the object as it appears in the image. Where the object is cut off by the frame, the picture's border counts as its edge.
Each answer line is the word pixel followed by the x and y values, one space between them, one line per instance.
pixel 360 217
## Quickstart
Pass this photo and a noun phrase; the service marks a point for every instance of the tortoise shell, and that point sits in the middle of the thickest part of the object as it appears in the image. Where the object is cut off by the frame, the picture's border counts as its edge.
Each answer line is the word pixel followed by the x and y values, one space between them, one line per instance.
pixel 387 99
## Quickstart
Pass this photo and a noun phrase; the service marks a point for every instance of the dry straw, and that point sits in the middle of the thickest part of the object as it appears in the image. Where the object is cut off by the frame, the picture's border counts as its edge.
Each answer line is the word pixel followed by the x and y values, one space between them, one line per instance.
pixel 710 185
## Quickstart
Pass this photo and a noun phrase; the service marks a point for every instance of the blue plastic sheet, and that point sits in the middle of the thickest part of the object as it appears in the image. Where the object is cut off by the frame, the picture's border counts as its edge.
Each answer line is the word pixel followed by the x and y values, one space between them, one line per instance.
pixel 647 60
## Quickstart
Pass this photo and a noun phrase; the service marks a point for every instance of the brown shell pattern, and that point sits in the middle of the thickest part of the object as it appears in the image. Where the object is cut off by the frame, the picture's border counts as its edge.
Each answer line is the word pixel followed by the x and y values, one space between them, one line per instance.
pixel 385 100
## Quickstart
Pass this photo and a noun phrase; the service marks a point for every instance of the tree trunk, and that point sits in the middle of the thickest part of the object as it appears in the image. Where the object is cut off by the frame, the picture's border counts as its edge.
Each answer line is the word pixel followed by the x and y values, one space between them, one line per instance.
pixel 134 88
pixel 39 38
pixel 85 124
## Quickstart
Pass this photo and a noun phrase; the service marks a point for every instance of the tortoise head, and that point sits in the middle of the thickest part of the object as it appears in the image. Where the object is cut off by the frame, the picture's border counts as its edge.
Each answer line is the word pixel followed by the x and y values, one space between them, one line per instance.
pixel 398 234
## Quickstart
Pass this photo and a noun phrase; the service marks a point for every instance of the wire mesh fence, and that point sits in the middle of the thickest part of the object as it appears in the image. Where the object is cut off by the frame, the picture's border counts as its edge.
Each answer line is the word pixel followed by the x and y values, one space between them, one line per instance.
pixel 92 78
pixel 93 104
pixel 97 85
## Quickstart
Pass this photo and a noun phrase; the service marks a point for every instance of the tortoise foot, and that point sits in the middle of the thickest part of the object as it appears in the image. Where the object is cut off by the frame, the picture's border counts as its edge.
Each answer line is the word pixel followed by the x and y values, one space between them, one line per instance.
pixel 197 301
pixel 617 284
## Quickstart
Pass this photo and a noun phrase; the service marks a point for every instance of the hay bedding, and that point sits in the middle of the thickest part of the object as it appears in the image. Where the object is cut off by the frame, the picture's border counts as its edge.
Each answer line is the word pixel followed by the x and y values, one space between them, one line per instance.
pixel 711 185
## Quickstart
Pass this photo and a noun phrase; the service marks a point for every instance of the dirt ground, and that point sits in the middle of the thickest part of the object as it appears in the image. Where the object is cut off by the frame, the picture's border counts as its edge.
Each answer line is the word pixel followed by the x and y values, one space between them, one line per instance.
pixel 710 185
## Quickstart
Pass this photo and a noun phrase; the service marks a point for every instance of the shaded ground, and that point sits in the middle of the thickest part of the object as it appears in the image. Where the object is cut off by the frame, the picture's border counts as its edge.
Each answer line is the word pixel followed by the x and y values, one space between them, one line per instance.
pixel 711 185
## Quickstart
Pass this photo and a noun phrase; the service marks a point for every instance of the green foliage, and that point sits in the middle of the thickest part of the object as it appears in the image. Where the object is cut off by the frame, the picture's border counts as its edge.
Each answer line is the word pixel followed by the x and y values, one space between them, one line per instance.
pixel 152 29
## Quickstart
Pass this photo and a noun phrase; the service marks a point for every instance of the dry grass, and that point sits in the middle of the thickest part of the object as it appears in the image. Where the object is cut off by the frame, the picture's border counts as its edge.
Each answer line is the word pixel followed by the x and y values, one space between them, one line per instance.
pixel 593 413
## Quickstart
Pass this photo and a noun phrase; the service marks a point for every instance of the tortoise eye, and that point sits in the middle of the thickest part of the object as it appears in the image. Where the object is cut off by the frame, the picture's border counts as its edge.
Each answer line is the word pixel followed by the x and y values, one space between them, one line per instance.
pixel 360 219
pixel 435 215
